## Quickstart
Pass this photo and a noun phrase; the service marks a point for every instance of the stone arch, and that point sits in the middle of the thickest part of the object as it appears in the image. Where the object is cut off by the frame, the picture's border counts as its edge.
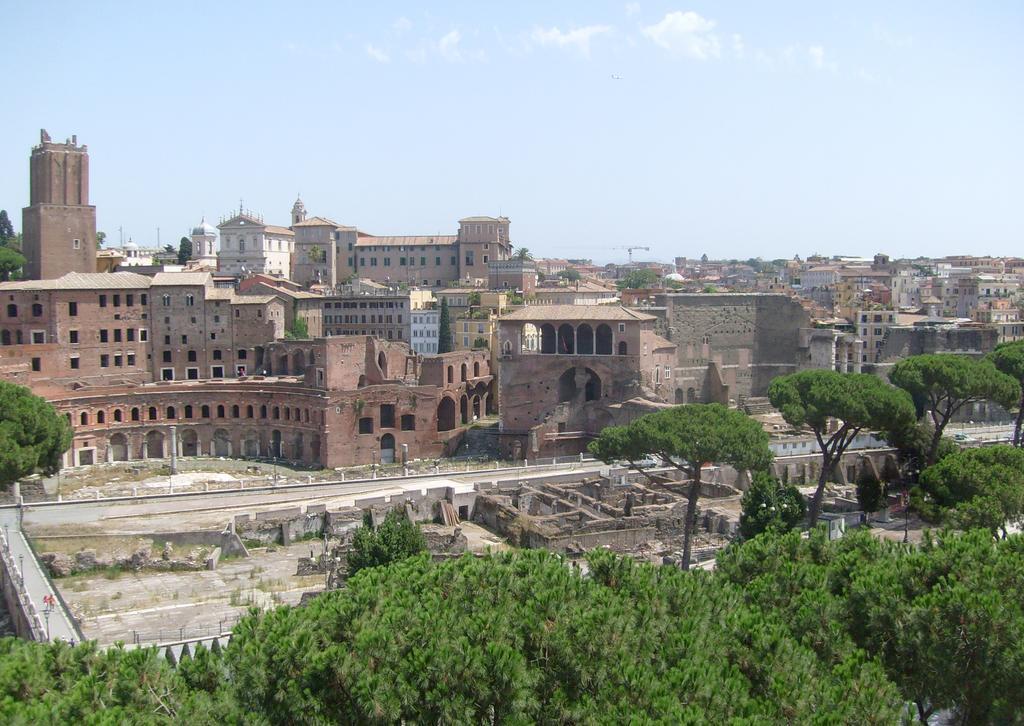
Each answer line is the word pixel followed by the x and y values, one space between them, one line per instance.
pixel 135 415
pixel 221 443
pixel 314 448
pixel 463 370
pixel 603 339
pixel 464 409
pixel 476 369
pixel 592 388
pixel 298 445
pixel 189 443
pixel 281 368
pixel 154 445
pixel 446 414
pixel 547 338
pixel 476 408
pixel 451 374
pixel 251 444
pixel 623 348
pixel 118 415
pixel 567 385
pixel 691 395
pixel 5 337
pixel 566 339
pixel 585 339
pixel 275 443
pixel 680 396
pixel 83 418
pixel 387 449
pixel 382 363
pixel 118 447
pixel 298 362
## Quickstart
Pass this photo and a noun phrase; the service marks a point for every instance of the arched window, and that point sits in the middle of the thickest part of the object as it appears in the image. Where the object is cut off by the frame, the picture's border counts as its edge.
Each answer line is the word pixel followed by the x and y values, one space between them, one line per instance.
pixel 84 419
pixel 476 369
pixel 451 374
pixel 152 413
pixel 135 414
pixel 37 310
pixel 118 415
pixel 171 413
pixel 101 417
pixel 462 371
pixel 220 411
pixel 277 412
pixel 263 411
pixel 188 412
pixel 248 412
pixel 622 347
pixel 204 411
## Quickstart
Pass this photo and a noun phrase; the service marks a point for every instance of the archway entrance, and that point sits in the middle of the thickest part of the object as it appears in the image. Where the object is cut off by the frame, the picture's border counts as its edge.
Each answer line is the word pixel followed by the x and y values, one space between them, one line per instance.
pixel 221 443
pixel 476 407
pixel 154 445
pixel 189 443
pixel 464 409
pixel 446 414
pixel 603 340
pixel 252 445
pixel 387 449
pixel 119 447
pixel 275 444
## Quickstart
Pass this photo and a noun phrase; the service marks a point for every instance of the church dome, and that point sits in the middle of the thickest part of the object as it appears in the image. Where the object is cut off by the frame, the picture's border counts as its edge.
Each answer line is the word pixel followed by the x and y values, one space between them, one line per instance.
pixel 204 228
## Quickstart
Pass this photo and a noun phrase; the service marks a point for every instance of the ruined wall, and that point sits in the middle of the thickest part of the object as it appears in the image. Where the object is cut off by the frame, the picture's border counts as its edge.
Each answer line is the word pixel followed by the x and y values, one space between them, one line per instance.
pixel 751 339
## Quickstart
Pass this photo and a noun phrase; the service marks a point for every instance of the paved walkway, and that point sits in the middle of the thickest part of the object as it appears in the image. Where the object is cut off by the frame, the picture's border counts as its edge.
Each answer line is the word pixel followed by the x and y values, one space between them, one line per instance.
pixel 37 585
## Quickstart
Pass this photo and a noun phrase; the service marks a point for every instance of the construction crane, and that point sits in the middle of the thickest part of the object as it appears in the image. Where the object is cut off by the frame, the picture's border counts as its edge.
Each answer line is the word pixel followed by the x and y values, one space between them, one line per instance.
pixel 630 250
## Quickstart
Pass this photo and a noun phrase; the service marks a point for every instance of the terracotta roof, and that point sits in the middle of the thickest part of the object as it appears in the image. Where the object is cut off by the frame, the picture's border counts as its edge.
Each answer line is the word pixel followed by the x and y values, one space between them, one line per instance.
pixel 407 240
pixel 316 222
pixel 273 229
pixel 252 299
pixel 182 278
pixel 538 313
pixel 83 281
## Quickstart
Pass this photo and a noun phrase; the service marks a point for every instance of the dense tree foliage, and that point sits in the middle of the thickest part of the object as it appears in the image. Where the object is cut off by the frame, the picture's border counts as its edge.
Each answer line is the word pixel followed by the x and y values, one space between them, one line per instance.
pixel 6 228
pixel 976 488
pixel 639 279
pixel 686 438
pixel 184 250
pixel 298 331
pixel 444 328
pixel 32 434
pixel 855 401
pixel 770 506
pixel 10 262
pixel 395 539
pixel 1009 358
pixel 785 630
pixel 942 384
pixel 946 619
pixel 570 275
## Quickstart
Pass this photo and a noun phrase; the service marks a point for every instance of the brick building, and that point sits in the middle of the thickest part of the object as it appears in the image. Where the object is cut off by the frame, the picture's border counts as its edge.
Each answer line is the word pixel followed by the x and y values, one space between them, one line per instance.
pixel 568 371
pixel 328 403
pixel 59 224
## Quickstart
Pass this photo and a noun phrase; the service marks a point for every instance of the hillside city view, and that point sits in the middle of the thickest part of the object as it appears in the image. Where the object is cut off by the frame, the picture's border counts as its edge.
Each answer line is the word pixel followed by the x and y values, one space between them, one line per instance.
pixel 585 363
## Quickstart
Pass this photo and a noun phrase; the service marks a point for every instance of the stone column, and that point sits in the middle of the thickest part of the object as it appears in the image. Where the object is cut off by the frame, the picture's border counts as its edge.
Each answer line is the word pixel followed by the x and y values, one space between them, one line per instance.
pixel 174 449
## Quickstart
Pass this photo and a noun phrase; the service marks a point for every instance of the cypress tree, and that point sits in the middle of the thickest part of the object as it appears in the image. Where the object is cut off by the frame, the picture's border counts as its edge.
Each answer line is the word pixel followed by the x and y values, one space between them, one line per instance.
pixel 444 331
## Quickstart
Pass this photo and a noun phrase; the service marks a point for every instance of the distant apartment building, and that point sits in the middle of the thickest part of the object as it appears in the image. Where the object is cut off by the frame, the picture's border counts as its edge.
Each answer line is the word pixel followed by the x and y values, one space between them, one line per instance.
pixel 372 310
pixel 581 292
pixel 514 275
pixel 424 331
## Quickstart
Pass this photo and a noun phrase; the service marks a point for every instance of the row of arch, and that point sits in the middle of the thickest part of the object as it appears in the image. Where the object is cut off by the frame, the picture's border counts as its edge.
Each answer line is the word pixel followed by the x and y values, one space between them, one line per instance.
pixel 566 339
pixel 136 414
pixel 471 405
pixel 155 444
pixel 463 372
pixel 294 364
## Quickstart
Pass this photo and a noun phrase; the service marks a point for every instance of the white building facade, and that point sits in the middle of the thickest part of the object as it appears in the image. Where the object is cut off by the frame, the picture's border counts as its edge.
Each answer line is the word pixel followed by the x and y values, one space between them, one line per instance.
pixel 425 324
pixel 248 246
pixel 205 246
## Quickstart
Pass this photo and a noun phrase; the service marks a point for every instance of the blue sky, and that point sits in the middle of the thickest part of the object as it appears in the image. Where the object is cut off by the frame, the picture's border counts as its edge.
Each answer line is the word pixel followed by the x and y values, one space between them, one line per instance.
pixel 735 129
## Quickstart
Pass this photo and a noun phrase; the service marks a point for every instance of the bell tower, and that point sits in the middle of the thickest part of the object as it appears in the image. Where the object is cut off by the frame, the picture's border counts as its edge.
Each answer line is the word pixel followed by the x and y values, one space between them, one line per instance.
pixel 59 224
pixel 298 211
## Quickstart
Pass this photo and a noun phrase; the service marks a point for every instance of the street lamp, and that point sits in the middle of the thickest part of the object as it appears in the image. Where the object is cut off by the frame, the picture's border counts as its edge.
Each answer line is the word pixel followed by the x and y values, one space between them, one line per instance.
pixel 48 605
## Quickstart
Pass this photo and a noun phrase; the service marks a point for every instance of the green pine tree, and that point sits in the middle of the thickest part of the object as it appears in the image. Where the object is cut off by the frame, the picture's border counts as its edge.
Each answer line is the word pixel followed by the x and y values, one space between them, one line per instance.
pixel 444 331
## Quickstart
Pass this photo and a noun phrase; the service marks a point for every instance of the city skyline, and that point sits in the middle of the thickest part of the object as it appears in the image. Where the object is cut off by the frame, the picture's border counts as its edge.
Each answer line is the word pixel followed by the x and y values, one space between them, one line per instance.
pixel 737 132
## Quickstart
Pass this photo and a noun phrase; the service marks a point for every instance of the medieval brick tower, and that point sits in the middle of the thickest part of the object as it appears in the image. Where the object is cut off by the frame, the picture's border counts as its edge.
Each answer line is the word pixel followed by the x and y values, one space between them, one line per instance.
pixel 59 225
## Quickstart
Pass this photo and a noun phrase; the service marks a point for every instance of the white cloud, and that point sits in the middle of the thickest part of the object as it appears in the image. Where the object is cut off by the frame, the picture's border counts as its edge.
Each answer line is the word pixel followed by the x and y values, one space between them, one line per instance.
pixel 818 61
pixel 894 40
pixel 738 49
pixel 577 39
pixel 687 34
pixel 448 47
pixel 632 9
pixel 377 54
pixel 402 24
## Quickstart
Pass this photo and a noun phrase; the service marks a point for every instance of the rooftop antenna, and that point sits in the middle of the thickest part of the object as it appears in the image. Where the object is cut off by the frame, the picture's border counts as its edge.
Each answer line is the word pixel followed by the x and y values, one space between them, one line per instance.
pixel 240 201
